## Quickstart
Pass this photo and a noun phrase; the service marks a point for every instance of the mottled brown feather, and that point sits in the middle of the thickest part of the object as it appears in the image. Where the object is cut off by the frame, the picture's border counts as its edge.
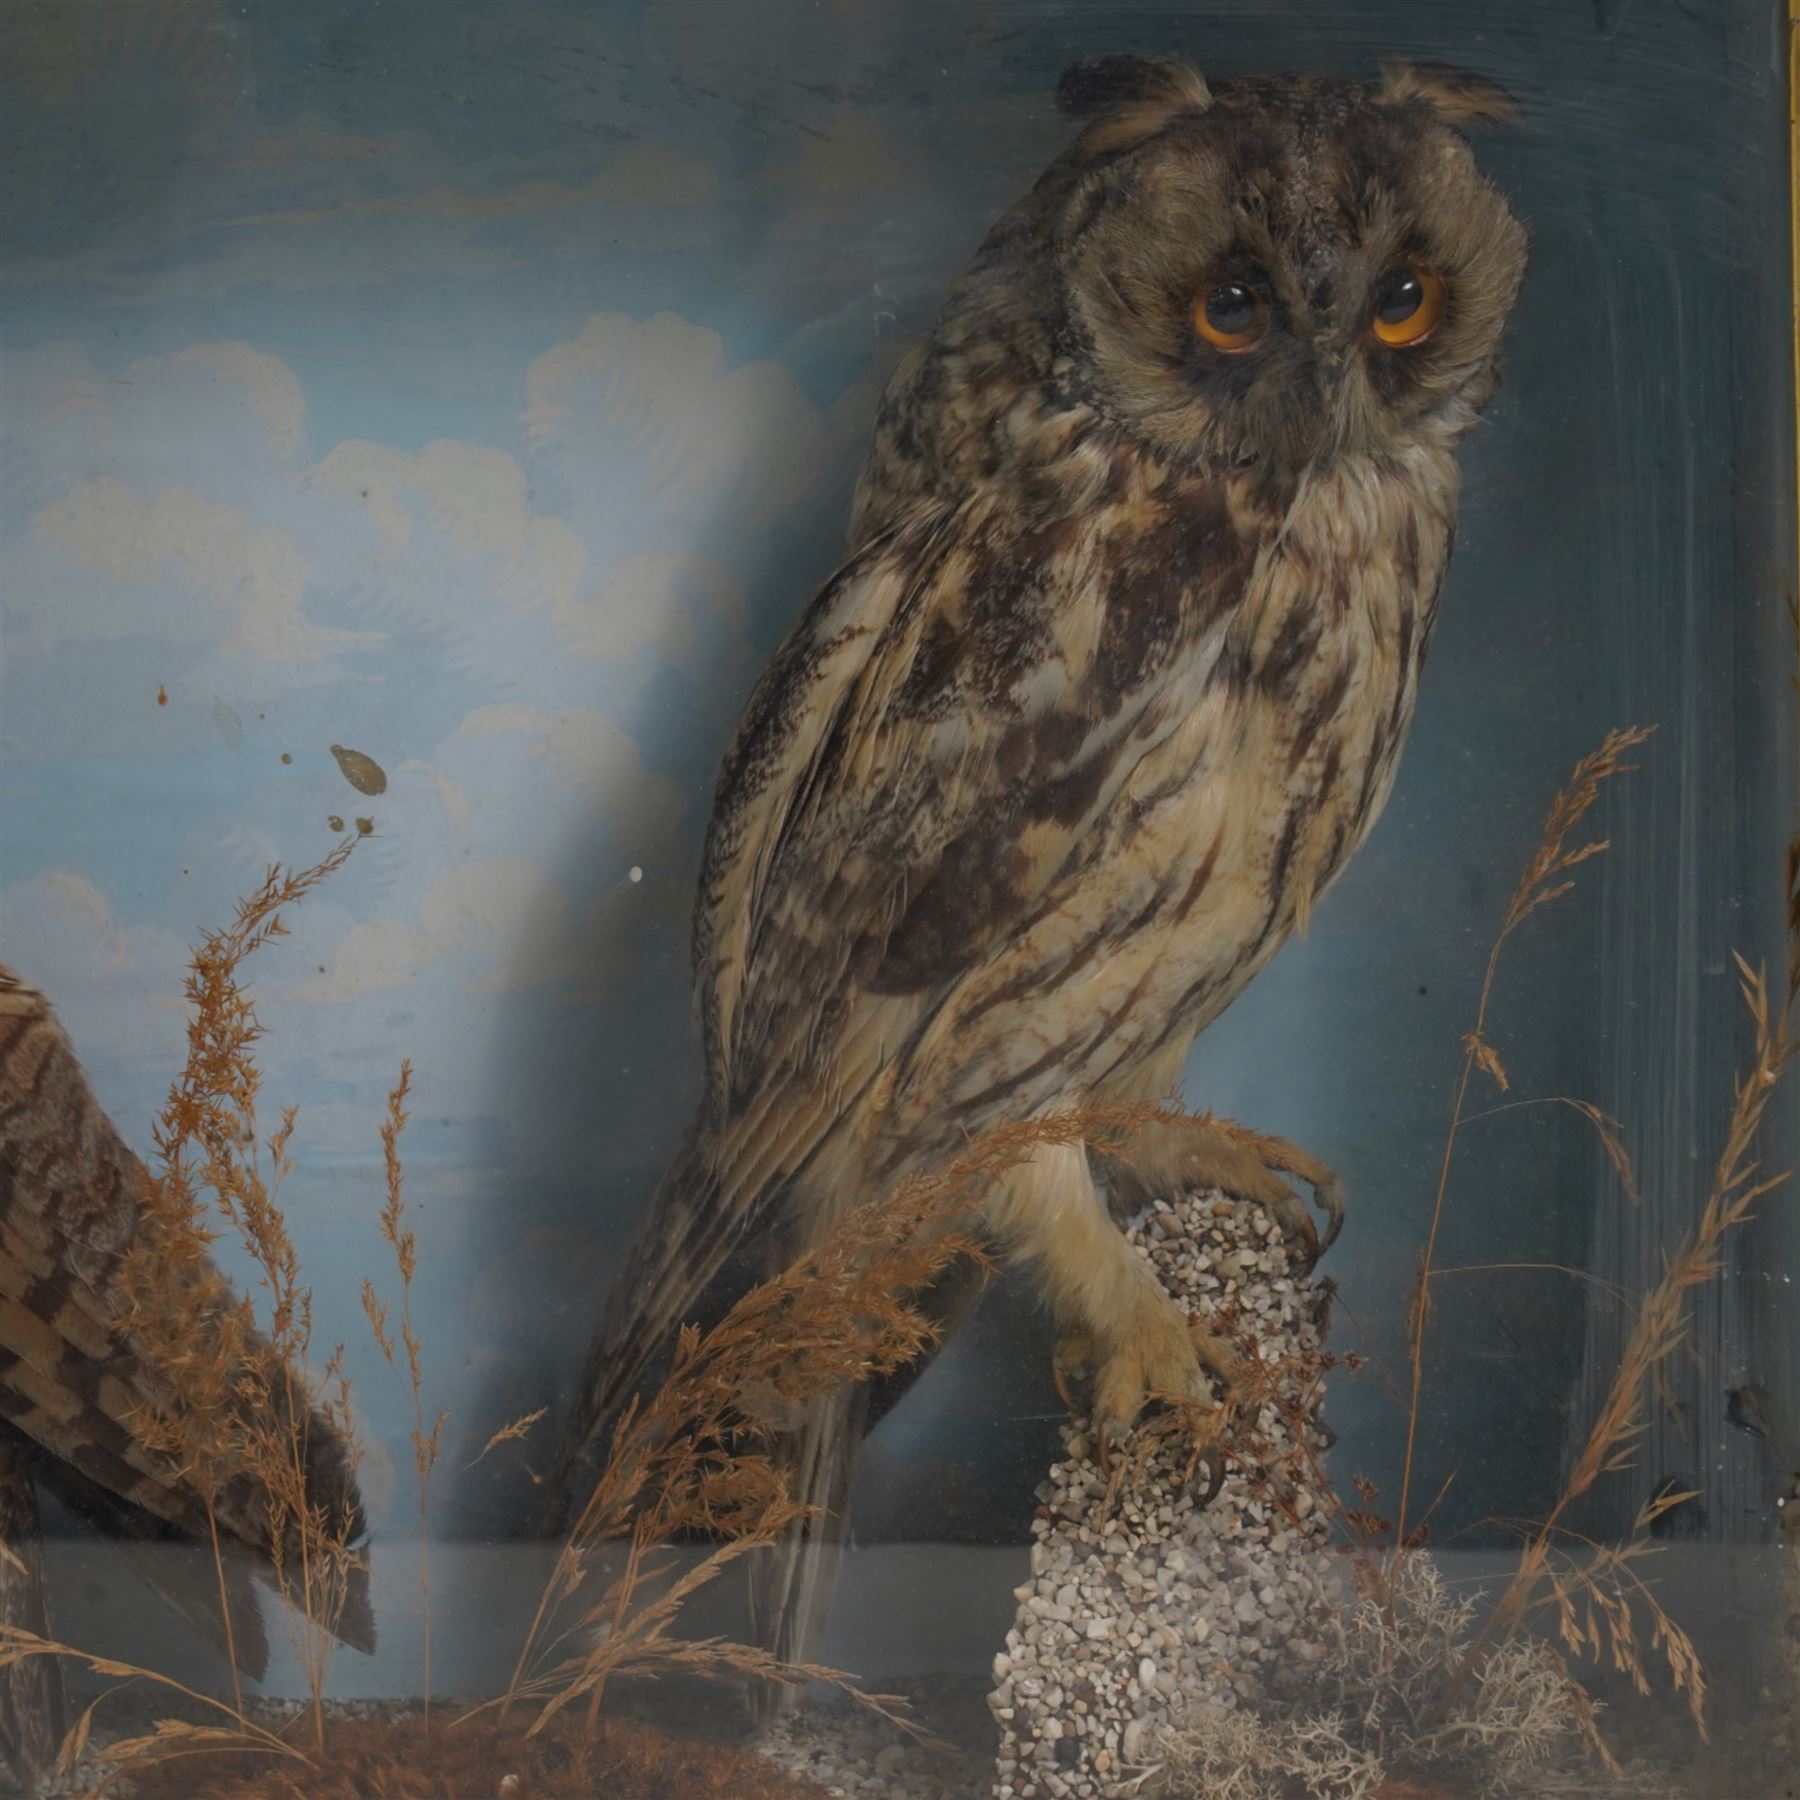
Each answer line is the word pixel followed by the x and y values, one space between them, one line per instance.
pixel 70 1377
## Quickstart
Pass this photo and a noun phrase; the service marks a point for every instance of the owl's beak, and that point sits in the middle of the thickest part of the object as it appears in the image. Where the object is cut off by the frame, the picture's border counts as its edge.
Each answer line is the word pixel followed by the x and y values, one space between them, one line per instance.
pixel 1344 422
pixel 1312 427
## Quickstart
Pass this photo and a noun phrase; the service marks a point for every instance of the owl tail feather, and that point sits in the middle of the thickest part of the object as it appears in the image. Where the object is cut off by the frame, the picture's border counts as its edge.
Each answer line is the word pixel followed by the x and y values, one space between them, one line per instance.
pixel 679 1249
pixel 676 1272
pixel 792 1582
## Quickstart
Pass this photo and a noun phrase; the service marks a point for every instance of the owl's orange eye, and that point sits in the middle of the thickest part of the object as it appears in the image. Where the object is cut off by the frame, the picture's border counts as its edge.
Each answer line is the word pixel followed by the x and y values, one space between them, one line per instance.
pixel 1232 317
pixel 1408 307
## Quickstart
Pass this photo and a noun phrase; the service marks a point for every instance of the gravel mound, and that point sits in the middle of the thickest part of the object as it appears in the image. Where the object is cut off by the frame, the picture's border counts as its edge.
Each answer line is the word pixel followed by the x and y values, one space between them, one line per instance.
pixel 1155 1600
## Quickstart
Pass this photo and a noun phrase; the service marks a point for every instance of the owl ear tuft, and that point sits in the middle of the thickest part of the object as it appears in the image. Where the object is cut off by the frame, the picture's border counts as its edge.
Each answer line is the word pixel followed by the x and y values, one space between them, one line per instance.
pixel 1103 83
pixel 1455 96
pixel 1128 98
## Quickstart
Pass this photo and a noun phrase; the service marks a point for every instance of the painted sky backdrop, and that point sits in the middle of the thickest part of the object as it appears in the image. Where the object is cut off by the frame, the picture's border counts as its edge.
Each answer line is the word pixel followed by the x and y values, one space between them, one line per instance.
pixel 479 388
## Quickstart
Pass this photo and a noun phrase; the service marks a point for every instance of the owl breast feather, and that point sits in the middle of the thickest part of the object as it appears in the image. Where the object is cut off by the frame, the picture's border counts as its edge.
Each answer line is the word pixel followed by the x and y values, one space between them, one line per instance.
pixel 1258 757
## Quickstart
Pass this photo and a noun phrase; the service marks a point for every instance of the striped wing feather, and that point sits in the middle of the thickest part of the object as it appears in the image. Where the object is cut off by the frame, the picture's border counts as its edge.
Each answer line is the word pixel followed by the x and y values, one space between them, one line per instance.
pixel 70 1377
pixel 914 770
pixel 922 755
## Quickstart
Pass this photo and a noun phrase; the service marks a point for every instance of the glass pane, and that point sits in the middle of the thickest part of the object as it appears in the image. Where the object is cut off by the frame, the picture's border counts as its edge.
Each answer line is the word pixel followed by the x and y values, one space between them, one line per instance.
pixel 423 426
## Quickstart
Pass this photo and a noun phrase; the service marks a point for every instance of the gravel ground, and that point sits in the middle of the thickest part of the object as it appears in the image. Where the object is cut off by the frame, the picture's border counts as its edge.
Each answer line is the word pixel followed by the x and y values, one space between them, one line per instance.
pixel 854 1754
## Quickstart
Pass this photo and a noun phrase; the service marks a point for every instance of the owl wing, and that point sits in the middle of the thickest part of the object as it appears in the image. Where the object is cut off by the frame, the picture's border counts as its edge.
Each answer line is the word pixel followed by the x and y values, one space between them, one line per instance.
pixel 940 731
pixel 934 737
pixel 71 1378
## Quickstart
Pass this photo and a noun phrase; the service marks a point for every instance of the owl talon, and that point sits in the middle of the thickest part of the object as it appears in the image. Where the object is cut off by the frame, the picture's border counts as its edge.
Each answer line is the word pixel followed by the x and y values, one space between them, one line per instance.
pixel 1237 1406
pixel 1305 1245
pixel 1217 1355
pixel 1298 1232
pixel 1212 1460
pixel 1265 1187
pixel 1124 1391
pixel 1174 1156
pixel 1074 1356
pixel 1328 1197
pixel 1153 1353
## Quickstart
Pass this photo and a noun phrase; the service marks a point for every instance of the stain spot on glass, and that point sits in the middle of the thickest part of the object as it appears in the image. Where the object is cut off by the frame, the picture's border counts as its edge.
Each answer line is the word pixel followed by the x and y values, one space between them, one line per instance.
pixel 287 756
pixel 363 773
pixel 162 695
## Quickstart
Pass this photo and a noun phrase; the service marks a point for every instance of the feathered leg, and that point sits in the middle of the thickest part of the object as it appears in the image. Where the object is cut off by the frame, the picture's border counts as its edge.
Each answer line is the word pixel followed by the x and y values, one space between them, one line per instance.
pixel 32 1706
pixel 1049 1213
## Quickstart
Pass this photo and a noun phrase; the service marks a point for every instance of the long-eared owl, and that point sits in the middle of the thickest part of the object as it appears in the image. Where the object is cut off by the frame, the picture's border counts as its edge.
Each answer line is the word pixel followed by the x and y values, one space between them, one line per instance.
pixel 1111 682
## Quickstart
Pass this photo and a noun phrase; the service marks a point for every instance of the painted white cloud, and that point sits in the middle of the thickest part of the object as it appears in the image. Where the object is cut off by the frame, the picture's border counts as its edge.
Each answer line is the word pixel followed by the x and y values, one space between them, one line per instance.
pixel 223 419
pixel 506 923
pixel 157 503
pixel 239 582
pixel 593 754
pixel 652 404
pixel 116 986
pixel 666 454
pixel 476 496
pixel 271 386
pixel 450 795
pixel 479 499
pixel 663 600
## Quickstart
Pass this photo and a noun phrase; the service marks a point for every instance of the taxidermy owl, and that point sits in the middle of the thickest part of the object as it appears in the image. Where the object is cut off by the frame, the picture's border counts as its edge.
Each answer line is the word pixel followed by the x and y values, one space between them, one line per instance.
pixel 73 1385
pixel 1112 681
